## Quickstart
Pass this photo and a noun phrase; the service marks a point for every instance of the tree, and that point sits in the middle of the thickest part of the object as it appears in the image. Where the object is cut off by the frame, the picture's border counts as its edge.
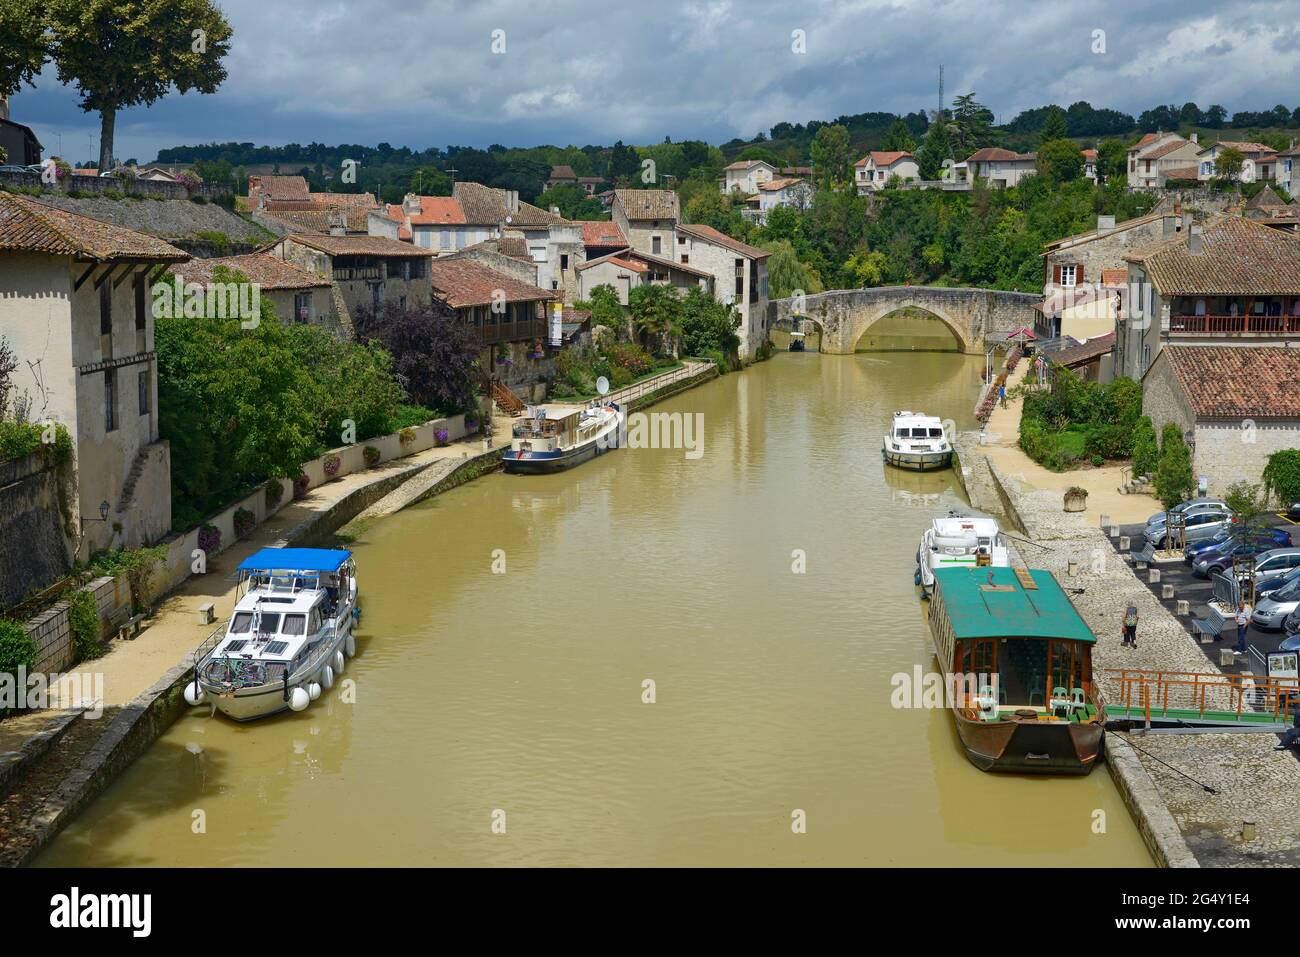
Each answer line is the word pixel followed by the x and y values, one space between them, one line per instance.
pixel 830 155
pixel 1146 449
pixel 1061 160
pixel 899 138
pixel 1228 164
pixel 786 274
pixel 708 325
pixel 1248 504
pixel 572 200
pixel 1053 126
pixel 430 181
pixel 936 148
pixel 711 208
pixel 1174 473
pixel 1216 117
pixel 435 354
pixel 1112 159
pixel 123 53
pixel 657 314
pixel 1282 476
pixel 24 43
pixel 972 124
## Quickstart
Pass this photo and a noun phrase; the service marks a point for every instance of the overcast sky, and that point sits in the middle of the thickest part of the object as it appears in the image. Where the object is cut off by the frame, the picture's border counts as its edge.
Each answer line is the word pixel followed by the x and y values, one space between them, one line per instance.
pixel 423 72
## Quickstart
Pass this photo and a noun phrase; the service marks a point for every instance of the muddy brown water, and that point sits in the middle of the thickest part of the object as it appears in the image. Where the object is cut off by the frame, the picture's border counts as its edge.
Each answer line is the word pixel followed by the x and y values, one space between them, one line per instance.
pixel 515 701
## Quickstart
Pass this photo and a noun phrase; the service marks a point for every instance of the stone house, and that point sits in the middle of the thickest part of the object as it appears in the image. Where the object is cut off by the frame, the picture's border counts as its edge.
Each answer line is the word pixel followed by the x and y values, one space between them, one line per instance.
pixel 1288 171
pixel 76 298
pixel 506 254
pixel 627 269
pixel 1161 156
pixel 368 272
pixel 561 175
pixel 437 223
pixel 744 176
pixel 298 295
pixel 739 273
pixel 1260 163
pixel 1090 164
pixel 1002 168
pixel 648 219
pixel 17 140
pixel 509 317
pixel 794 193
pixel 1232 281
pixel 601 238
pixel 874 170
pixel 1234 406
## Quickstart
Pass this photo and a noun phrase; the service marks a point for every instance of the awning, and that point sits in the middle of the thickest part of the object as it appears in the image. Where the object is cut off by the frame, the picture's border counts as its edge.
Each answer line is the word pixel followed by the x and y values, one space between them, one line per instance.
pixel 295 560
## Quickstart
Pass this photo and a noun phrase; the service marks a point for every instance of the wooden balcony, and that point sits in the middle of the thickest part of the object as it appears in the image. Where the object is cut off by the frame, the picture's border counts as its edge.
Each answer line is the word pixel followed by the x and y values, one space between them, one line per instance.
pixel 1278 325
pixel 523 331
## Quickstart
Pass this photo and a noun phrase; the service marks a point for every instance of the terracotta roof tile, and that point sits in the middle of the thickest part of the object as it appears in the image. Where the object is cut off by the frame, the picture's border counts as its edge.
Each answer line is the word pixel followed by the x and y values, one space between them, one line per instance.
pixel 1164 149
pixel 997 154
pixel 488 206
pixel 1084 351
pixel 434 211
pixel 1239 257
pixel 601 233
pixel 1182 172
pixel 709 234
pixel 1237 382
pixel 357 245
pixel 269 272
pixel 466 282
pixel 648 203
pixel 355 219
pixel 884 158
pixel 28 225
pixel 563 172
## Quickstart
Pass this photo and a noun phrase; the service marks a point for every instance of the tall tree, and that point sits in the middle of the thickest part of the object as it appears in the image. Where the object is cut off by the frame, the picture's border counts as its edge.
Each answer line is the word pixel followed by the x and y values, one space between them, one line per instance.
pixel 830 154
pixel 1053 126
pixel 936 148
pixel 24 43
pixel 124 53
pixel 972 123
pixel 899 138
pixel 1228 164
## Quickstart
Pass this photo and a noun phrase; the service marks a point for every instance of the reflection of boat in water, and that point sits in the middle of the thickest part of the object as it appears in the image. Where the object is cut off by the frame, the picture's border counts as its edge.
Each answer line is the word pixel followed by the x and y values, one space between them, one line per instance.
pixel 1017 661
pixel 959 541
pixel 918 442
pixel 555 438
pixel 288 636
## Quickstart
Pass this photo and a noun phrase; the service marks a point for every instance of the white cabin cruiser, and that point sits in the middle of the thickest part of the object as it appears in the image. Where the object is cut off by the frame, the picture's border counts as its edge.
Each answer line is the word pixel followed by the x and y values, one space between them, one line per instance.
pixel 288 637
pixel 958 541
pixel 918 442
pixel 558 437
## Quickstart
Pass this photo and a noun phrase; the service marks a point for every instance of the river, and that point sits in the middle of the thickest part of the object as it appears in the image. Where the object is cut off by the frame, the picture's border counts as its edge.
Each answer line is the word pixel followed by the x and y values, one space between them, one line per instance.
pixel 512 700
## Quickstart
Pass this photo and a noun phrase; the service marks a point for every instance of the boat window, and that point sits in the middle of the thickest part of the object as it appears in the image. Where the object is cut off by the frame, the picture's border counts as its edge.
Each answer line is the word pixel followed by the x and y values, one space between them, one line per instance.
pixel 936 433
pixel 295 625
pixel 239 624
pixel 313 621
pixel 270 623
pixel 919 433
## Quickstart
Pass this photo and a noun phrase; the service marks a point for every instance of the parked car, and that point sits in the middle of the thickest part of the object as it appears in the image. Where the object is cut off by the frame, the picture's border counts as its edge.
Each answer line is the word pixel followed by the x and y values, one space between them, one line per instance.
pixel 1280 537
pixel 1215 561
pixel 1202 523
pixel 1272 611
pixel 1266 586
pixel 1191 503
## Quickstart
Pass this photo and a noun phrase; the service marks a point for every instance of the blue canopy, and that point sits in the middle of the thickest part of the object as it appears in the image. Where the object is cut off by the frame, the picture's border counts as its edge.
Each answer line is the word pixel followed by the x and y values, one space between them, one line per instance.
pixel 295 560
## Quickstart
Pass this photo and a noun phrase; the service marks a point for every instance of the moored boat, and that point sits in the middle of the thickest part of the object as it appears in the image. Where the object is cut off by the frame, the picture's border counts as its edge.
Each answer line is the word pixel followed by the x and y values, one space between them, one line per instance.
pixel 288 638
pixel 918 442
pixel 959 541
pixel 1017 663
pixel 555 438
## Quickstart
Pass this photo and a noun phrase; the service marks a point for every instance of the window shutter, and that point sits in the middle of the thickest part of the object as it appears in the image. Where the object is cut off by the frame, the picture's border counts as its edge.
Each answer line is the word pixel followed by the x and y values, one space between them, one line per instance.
pixel 1056 274
pixel 1078 274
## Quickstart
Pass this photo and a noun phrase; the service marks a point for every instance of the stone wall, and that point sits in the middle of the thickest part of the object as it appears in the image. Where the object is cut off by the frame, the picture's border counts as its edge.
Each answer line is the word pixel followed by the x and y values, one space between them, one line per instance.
pixel 34 551
pixel 155 189
pixel 1236 450
pixel 168 218
pixel 52 632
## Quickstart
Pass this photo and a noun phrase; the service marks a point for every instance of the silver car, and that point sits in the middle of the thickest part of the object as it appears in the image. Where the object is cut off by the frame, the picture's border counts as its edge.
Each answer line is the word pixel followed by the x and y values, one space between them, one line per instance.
pixel 1277 561
pixel 1191 503
pixel 1201 524
pixel 1272 611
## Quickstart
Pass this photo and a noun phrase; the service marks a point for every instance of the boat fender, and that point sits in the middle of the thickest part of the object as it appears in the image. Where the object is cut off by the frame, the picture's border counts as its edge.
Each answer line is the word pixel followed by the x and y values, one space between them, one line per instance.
pixel 350 646
pixel 916 578
pixel 299 699
pixel 327 677
pixel 313 690
pixel 194 693
pixel 339 664
pixel 356 612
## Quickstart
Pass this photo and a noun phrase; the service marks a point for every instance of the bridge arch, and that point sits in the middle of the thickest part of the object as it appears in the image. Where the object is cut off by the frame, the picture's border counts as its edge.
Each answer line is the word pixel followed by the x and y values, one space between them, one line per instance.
pixel 861 324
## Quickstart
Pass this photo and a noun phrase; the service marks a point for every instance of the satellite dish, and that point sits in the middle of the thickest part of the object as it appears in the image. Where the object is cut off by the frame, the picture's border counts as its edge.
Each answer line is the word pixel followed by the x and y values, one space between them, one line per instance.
pixel 602 385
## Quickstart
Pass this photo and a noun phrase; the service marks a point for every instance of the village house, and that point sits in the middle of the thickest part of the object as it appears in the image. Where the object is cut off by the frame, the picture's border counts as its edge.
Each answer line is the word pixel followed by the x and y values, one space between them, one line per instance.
pixel 277 194
pixel 562 175
pixel 739 272
pixel 498 212
pixel 368 272
pixel 792 193
pixel 1090 164
pixel 627 269
pixel 1161 156
pixel 1234 407
pixel 600 238
pixel 1259 163
pixel 348 221
pixel 509 318
pixel 18 142
pixel 297 295
pixel 877 168
pixel 648 219
pixel 1232 281
pixel 1288 170
pixel 436 223
pixel 744 176
pixel 505 254
pixel 76 308
pixel 1002 168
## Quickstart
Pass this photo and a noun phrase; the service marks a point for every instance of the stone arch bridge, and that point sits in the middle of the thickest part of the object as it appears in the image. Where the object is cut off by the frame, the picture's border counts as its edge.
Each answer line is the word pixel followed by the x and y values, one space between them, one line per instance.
pixel 845 315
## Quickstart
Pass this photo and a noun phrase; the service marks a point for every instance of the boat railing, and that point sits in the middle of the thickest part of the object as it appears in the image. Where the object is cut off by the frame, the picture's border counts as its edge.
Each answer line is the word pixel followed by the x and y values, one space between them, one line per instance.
pixel 1209 695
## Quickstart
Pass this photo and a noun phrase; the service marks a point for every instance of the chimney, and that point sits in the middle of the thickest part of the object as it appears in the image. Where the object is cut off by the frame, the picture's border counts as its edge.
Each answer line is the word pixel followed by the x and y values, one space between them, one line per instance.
pixel 1196 137
pixel 555 210
pixel 411 204
pixel 512 200
pixel 338 224
pixel 1194 244
pixel 1187 222
pixel 1105 224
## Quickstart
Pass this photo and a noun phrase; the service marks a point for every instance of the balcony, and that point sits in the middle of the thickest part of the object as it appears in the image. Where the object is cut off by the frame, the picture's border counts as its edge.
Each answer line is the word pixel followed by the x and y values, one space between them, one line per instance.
pixel 523 331
pixel 1276 325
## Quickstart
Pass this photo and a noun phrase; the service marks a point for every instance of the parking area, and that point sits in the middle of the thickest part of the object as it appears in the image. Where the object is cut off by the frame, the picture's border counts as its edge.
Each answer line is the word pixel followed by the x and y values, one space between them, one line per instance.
pixel 1197 592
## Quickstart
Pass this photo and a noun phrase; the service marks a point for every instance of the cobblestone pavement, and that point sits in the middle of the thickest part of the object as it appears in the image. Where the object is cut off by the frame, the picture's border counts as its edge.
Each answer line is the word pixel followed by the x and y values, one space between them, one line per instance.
pixel 1252 781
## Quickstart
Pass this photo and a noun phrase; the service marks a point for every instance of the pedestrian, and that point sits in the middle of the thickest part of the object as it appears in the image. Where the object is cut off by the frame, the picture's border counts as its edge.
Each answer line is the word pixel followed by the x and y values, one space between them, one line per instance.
pixel 1292 733
pixel 1243 622
pixel 1129 626
pixel 1002 394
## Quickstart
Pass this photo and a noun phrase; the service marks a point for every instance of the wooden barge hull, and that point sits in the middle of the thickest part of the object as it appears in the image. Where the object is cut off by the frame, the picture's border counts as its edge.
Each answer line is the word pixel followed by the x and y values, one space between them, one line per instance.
pixel 1030 747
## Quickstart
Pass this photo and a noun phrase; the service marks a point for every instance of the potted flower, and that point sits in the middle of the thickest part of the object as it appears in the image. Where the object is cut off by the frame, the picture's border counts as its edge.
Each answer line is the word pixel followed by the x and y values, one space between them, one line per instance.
pixel 331 465
pixel 441 436
pixel 210 539
pixel 471 423
pixel 300 485
pixel 371 455
pixel 274 492
pixel 536 351
pixel 503 355
pixel 1076 499
pixel 245 521
pixel 406 436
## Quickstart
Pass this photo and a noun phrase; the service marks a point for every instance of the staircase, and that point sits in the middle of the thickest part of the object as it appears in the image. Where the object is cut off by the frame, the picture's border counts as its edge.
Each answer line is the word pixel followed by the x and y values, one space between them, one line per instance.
pixel 1139 483
pixel 132 478
pixel 506 400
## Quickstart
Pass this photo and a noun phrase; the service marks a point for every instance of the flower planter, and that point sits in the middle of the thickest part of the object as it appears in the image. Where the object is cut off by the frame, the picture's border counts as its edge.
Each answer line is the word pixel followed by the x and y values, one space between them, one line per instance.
pixel 331 465
pixel 1076 499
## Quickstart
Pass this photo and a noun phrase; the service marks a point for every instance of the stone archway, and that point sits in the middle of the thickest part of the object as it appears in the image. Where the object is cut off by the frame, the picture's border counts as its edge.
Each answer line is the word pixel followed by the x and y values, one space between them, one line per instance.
pixel 862 324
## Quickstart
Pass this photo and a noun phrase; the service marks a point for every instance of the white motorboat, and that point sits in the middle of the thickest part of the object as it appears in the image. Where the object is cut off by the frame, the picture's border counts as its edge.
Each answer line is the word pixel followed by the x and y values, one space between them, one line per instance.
pixel 288 638
pixel 917 442
pixel 959 541
pixel 559 437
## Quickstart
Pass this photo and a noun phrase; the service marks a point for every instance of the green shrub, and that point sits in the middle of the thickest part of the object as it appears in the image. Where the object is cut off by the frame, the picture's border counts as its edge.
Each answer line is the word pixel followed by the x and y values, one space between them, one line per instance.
pixel 20 439
pixel 1146 451
pixel 139 565
pixel 1282 476
pixel 274 492
pixel 83 621
pixel 1174 473
pixel 631 357
pixel 17 650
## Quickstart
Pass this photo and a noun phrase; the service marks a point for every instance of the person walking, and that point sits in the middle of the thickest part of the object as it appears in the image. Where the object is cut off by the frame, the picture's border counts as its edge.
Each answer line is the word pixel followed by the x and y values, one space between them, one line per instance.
pixel 1129 626
pixel 1002 394
pixel 1243 622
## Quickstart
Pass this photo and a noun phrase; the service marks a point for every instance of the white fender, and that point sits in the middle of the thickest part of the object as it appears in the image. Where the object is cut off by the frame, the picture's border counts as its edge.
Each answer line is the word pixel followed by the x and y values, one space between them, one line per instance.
pixel 339 664
pixel 327 677
pixel 350 645
pixel 313 690
pixel 299 699
pixel 194 693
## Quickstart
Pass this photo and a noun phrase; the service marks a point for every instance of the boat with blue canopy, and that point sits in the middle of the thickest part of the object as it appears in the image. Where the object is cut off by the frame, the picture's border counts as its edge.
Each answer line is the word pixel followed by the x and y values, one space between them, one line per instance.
pixel 288 637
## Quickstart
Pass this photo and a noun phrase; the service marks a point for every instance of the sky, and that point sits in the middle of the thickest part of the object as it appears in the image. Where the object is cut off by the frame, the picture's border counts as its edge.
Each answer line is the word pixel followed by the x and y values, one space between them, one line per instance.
pixel 424 73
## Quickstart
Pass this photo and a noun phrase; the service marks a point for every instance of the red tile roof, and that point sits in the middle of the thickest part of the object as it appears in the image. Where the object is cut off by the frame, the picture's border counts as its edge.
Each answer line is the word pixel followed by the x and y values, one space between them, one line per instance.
pixel 997 154
pixel 1236 382
pixel 711 235
pixel 27 225
pixel 1164 149
pixel 269 272
pixel 434 211
pixel 639 204
pixel 1114 277
pixel 600 233
pixel 1182 172
pixel 466 282
pixel 1239 257
pixel 884 158
pixel 1085 351
pixel 357 245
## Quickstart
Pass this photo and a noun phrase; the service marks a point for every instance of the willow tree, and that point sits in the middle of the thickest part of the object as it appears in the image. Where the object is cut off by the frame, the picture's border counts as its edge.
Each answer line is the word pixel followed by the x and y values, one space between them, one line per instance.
pixel 124 53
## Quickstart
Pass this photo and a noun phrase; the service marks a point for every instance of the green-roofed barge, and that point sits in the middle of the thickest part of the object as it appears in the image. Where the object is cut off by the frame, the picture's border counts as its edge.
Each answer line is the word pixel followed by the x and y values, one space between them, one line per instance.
pixel 1017 660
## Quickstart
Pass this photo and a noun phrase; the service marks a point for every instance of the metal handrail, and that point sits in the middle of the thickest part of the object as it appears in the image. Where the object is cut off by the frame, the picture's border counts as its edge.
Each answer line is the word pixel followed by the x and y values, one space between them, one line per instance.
pixel 1152 691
